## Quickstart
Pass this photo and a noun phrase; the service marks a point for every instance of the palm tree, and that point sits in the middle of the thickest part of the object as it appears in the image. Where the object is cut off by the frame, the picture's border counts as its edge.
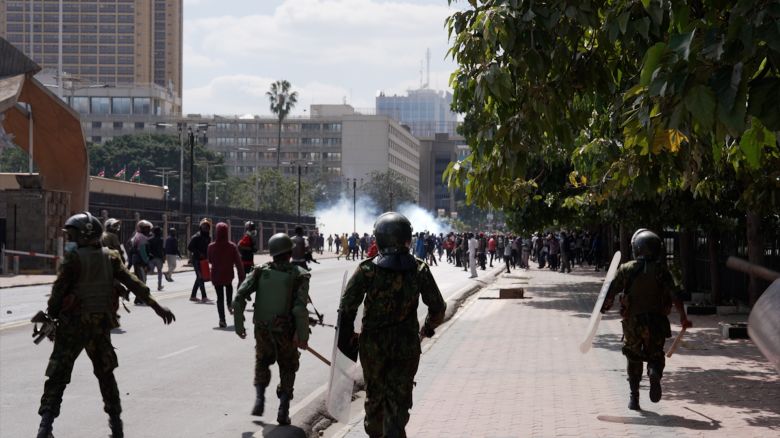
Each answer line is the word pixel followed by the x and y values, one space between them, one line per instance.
pixel 282 102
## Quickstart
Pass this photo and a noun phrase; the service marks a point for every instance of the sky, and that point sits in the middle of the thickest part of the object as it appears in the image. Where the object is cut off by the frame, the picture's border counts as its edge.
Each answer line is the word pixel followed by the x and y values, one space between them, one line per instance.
pixel 331 51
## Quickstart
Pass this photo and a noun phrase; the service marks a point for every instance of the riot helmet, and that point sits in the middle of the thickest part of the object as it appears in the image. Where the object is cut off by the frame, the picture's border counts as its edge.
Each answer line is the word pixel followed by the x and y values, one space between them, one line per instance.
pixel 393 233
pixel 144 227
pixel 279 244
pixel 646 245
pixel 113 225
pixel 83 229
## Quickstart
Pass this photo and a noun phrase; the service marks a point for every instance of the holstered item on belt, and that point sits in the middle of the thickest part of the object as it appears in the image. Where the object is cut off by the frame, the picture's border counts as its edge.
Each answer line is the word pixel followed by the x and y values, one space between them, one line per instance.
pixel 623 300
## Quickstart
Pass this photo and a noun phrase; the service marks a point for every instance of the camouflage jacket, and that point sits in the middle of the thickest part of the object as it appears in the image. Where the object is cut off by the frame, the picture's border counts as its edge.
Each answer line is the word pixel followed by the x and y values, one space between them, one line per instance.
pixel 390 298
pixel 300 297
pixel 61 299
pixel 645 288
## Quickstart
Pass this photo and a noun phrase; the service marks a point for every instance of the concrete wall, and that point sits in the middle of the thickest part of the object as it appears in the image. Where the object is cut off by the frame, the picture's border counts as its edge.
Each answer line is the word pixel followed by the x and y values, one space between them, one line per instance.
pixel 363 146
pixel 124 188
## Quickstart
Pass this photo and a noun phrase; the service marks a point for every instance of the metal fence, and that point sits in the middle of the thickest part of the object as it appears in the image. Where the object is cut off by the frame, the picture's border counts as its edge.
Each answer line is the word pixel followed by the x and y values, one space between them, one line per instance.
pixel 131 209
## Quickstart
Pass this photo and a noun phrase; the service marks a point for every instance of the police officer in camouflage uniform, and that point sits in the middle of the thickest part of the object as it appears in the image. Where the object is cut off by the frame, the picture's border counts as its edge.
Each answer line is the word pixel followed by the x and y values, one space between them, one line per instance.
pixel 83 303
pixel 648 292
pixel 110 237
pixel 281 321
pixel 390 286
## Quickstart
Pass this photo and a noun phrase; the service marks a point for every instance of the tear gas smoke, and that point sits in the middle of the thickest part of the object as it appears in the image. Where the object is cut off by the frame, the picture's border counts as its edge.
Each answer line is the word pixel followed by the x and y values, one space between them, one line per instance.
pixel 338 218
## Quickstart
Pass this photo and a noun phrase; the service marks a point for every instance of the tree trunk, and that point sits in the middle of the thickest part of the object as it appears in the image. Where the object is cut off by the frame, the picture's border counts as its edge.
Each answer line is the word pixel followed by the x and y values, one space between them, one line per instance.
pixel 715 267
pixel 279 146
pixel 625 243
pixel 755 247
pixel 687 260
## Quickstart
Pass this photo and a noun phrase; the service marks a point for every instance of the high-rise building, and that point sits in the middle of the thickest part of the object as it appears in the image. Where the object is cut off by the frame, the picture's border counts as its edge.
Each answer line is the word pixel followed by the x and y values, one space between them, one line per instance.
pixel 106 42
pixel 436 153
pixel 426 112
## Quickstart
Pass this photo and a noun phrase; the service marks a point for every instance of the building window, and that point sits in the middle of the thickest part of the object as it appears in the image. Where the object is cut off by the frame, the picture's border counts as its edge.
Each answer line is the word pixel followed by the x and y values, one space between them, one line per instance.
pixel 120 105
pixel 141 105
pixel 97 139
pixel 100 105
pixel 331 127
pixel 97 125
pixel 81 104
pixel 118 125
pixel 139 125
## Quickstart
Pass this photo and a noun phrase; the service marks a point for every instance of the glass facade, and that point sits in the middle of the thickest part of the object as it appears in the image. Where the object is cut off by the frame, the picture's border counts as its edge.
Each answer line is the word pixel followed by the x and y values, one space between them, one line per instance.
pixel 426 112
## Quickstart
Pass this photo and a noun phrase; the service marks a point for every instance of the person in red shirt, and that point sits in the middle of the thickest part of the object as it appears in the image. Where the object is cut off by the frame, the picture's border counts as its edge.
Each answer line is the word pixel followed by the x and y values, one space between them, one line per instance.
pixel 373 250
pixel 223 256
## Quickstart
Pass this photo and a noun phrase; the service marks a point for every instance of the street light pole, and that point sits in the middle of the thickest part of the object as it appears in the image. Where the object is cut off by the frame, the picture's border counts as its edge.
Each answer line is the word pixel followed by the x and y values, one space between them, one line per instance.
pixel 354 205
pixel 192 168
pixel 181 166
pixel 299 194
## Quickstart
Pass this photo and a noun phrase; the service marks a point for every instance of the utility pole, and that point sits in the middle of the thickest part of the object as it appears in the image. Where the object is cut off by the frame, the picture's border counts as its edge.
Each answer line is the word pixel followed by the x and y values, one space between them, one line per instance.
pixel 299 194
pixel 191 137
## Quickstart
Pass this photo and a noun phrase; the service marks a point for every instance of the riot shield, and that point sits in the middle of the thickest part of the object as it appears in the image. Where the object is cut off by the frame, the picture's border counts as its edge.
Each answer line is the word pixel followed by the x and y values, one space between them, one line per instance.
pixel 764 324
pixel 595 316
pixel 341 383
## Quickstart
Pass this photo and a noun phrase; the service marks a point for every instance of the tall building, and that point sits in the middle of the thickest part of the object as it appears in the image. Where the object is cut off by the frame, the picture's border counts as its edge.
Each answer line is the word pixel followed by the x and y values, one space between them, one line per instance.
pixel 436 153
pixel 331 145
pixel 426 112
pixel 106 42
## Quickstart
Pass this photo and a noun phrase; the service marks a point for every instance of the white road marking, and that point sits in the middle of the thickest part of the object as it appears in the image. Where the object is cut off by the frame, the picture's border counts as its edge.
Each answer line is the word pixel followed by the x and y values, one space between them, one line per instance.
pixel 183 350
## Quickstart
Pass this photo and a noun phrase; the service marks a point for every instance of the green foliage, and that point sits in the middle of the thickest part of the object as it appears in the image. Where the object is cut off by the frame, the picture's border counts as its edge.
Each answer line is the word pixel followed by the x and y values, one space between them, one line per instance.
pixel 268 190
pixel 149 152
pixel 388 189
pixel 646 104
pixel 14 160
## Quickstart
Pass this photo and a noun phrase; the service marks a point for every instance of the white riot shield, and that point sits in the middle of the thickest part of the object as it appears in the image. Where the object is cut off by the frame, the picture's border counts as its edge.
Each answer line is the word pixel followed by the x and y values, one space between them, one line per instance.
pixel 764 324
pixel 595 316
pixel 341 382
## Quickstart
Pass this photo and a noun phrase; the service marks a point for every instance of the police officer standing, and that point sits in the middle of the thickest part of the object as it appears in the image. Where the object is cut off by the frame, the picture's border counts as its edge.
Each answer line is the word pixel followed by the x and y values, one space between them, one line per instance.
pixel 390 286
pixel 83 303
pixel 110 236
pixel 281 321
pixel 648 292
pixel 300 248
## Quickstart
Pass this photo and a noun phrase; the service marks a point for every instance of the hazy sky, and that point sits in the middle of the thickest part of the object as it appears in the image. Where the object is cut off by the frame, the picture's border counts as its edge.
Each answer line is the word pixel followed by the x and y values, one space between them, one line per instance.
pixel 330 50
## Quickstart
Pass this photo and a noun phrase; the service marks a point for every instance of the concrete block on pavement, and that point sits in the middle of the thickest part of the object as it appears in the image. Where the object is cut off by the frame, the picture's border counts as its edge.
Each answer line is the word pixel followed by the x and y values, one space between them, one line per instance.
pixel 511 293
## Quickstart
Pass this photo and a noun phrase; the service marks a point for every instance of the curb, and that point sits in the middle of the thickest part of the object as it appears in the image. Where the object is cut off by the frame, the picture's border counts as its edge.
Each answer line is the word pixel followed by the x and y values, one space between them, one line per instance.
pixel 44 283
pixel 312 416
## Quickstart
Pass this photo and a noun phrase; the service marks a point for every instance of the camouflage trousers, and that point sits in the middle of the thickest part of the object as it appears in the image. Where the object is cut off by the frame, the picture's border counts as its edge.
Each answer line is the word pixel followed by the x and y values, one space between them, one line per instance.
pixel 93 334
pixel 389 386
pixel 643 341
pixel 273 347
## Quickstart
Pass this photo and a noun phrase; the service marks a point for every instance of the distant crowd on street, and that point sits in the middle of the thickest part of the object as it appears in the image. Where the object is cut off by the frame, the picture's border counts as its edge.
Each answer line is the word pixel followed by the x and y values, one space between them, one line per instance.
pixel 554 250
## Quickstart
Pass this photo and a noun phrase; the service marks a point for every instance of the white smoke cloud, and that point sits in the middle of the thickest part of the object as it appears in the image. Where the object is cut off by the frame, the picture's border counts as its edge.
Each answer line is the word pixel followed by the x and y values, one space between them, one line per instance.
pixel 338 218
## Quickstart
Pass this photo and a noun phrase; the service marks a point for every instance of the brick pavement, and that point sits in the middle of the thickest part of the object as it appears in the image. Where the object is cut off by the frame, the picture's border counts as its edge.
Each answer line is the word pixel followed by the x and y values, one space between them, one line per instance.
pixel 512 368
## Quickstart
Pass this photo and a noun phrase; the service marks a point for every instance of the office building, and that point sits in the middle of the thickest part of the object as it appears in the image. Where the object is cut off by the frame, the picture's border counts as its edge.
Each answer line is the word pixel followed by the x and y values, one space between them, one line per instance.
pixel 333 144
pixel 426 112
pixel 436 154
pixel 107 42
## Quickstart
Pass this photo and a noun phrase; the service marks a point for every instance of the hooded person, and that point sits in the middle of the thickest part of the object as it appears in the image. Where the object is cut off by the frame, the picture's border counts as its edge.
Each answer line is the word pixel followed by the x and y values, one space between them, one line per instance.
pixel 198 248
pixel 223 256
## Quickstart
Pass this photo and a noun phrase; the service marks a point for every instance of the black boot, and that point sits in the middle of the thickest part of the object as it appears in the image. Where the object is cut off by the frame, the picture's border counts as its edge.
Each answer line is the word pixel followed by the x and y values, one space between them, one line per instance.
pixel 655 374
pixel 117 429
pixel 633 401
pixel 283 418
pixel 47 425
pixel 259 401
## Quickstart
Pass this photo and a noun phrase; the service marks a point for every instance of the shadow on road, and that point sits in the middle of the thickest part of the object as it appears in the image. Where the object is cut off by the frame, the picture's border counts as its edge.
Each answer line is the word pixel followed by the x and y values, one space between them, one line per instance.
pixel 274 431
pixel 648 418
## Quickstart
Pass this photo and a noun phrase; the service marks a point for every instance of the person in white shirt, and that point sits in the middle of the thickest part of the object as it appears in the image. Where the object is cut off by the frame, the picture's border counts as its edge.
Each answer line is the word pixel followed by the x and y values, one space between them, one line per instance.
pixel 473 255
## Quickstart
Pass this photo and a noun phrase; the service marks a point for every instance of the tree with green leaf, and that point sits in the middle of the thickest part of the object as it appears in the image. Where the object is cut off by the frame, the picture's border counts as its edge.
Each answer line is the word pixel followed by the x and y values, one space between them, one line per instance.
pixel 388 189
pixel 14 160
pixel 282 102
pixel 269 191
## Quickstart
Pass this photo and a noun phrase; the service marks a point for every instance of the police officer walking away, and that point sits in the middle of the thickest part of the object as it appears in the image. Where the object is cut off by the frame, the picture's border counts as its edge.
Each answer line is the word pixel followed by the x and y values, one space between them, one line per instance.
pixel 300 248
pixel 281 321
pixel 83 303
pixel 648 292
pixel 390 286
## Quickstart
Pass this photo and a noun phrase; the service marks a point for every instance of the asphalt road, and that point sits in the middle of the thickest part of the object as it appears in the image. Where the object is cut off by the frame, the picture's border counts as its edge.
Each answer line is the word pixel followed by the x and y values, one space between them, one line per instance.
pixel 191 379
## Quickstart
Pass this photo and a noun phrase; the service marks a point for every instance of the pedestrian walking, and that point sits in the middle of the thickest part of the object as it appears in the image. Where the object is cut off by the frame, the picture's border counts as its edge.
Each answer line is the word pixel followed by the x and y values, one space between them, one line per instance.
pixel 172 253
pixel 83 304
pixel 300 248
pixel 330 244
pixel 198 248
pixel 491 246
pixel 508 257
pixel 281 321
pixel 389 286
pixel 157 255
pixel 647 294
pixel 473 255
pixel 223 256
pixel 247 246
pixel 140 254
pixel 337 241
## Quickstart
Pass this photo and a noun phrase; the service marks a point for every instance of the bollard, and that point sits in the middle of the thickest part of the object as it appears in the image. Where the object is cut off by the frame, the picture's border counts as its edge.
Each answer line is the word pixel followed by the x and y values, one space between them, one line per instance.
pixel 16 265
pixel 5 263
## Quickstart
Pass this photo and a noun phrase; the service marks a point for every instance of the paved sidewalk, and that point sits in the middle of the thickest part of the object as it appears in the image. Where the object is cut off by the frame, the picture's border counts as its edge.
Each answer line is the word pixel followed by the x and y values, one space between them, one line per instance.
pixel 512 368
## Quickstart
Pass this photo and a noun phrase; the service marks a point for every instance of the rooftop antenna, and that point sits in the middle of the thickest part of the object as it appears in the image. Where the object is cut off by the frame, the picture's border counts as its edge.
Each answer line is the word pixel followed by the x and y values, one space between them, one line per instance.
pixel 421 74
pixel 428 67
